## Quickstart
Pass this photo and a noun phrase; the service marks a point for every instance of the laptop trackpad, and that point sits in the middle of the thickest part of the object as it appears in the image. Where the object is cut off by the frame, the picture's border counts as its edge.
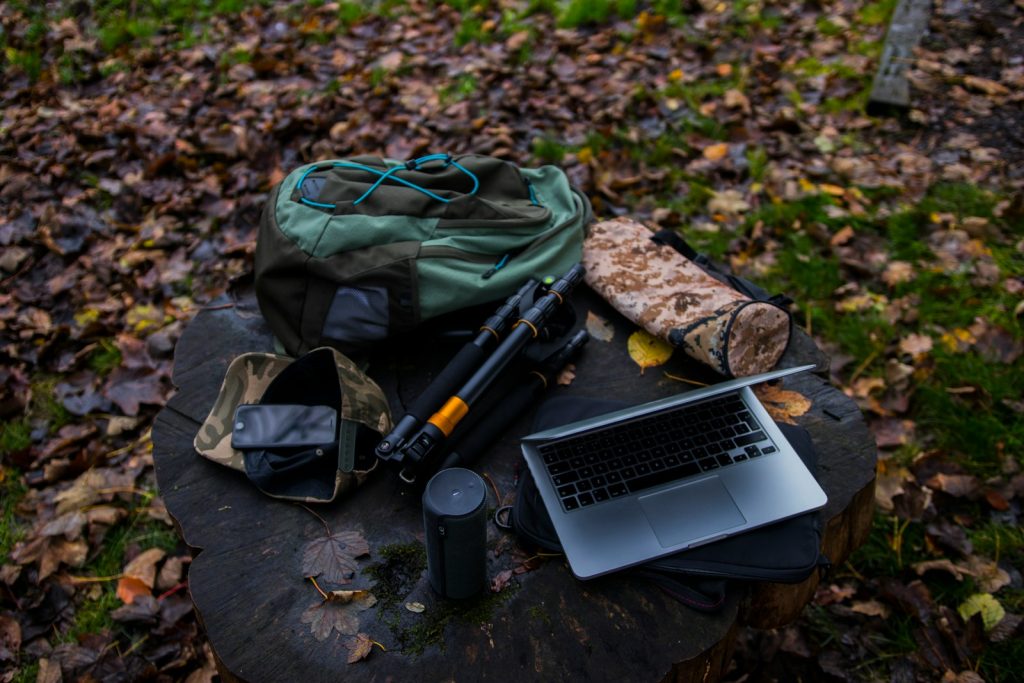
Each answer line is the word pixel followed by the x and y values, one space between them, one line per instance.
pixel 691 511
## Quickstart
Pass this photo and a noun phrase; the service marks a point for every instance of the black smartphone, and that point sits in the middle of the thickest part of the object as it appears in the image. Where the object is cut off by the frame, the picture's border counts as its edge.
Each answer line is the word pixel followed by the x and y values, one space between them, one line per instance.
pixel 270 426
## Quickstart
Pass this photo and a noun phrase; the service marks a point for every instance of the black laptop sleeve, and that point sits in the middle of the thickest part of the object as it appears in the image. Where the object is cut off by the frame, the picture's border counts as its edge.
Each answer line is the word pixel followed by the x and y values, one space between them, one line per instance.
pixel 786 552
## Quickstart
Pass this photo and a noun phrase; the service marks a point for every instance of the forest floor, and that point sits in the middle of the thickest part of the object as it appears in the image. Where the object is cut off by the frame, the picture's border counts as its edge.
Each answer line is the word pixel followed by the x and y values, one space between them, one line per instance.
pixel 138 142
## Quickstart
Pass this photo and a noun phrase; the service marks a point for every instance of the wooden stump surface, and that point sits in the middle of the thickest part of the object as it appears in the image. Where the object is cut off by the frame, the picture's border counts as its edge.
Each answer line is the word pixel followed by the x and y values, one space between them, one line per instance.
pixel 249 590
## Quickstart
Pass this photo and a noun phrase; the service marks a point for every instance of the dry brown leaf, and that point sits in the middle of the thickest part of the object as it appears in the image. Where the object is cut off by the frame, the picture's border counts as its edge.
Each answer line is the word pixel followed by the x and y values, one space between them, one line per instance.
pixel 989 576
pixel 957 485
pixel 916 344
pixel 359 648
pixel 499 582
pixel 10 638
pixel 729 202
pixel 871 608
pixel 782 404
pixel 143 566
pixel 844 235
pixel 333 557
pixel 326 616
pixel 415 607
pixel 599 328
pixel 897 272
pixel 945 565
pixel 986 85
pixel 734 99
pixel 566 376
pixel 62 551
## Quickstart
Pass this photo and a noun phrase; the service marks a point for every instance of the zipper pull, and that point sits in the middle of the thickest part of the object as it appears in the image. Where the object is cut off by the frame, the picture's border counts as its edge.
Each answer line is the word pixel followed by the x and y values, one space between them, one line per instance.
pixel 497 266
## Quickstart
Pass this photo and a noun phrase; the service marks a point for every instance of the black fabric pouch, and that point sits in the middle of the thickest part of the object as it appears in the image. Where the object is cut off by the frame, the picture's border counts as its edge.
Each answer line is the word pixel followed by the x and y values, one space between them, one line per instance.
pixel 786 552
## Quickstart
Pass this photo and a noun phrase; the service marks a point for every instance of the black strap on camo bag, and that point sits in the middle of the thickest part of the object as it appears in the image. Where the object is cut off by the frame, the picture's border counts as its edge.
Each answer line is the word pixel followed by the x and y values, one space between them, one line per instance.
pixel 785 552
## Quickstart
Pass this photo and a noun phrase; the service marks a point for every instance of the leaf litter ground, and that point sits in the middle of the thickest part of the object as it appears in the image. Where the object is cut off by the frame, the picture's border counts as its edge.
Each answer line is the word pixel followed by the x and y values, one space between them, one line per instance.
pixel 137 149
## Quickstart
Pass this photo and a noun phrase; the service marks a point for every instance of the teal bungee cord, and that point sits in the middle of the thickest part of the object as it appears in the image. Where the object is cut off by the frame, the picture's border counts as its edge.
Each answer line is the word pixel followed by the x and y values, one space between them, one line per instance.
pixel 382 176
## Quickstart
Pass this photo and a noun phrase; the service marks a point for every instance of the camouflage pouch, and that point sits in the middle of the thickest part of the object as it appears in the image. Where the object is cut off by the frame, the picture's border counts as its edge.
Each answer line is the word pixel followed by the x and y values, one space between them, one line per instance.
pixel 674 299
pixel 323 376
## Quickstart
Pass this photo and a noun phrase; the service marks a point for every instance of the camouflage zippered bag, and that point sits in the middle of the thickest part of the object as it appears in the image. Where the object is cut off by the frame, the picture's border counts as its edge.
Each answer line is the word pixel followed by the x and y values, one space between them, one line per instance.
pixel 350 252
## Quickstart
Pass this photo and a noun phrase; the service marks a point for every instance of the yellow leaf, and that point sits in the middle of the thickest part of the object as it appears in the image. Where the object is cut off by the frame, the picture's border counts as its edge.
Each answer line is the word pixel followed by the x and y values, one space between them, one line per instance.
pixel 716 152
pixel 833 190
pixel 806 185
pixel 647 351
pixel 676 75
pixel 989 608
pixel 585 155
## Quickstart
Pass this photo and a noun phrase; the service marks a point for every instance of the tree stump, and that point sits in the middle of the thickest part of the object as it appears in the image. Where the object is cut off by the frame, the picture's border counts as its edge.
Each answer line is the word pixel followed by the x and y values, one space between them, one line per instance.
pixel 247 583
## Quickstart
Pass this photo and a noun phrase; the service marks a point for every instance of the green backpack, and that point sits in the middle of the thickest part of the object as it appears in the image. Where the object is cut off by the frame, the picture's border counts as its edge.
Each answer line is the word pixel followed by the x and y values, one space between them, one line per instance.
pixel 351 252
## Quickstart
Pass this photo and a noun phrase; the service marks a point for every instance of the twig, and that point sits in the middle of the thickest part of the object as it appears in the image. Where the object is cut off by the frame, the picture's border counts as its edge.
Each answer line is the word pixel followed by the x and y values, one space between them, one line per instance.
pixel 683 379
pixel 218 307
pixel 322 520
pixel 383 649
pixel 863 366
pixel 497 495
pixel 96 579
pixel 171 591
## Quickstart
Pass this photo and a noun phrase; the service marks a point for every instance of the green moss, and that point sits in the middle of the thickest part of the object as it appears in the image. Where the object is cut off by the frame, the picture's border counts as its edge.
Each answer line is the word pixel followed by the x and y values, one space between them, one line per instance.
pixel 105 357
pixel 548 150
pixel 27 674
pixel 12 490
pixel 877 13
pixel 15 436
pixel 398 572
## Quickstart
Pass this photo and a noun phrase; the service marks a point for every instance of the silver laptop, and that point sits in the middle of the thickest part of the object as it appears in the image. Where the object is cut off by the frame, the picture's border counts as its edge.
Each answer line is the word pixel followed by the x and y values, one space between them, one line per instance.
pixel 651 480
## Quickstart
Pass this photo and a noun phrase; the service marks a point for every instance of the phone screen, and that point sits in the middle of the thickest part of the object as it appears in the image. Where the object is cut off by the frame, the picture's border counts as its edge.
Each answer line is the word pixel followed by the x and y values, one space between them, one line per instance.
pixel 269 426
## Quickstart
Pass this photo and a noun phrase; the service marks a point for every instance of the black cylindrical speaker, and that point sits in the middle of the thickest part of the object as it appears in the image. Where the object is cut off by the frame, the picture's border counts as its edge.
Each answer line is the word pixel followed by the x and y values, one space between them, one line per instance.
pixel 455 526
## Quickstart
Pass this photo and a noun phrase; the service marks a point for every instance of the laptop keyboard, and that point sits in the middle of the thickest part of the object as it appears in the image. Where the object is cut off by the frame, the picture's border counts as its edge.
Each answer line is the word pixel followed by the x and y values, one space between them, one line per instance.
pixel 638 454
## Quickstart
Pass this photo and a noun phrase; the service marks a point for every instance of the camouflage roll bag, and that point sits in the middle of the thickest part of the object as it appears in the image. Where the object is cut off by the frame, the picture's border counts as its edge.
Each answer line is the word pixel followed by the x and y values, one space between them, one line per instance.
pixel 671 297
pixel 310 473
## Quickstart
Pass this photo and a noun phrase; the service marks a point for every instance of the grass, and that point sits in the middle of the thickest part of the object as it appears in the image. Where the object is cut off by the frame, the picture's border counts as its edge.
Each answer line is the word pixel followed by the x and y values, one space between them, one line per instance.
pixel 139 531
pixel 12 490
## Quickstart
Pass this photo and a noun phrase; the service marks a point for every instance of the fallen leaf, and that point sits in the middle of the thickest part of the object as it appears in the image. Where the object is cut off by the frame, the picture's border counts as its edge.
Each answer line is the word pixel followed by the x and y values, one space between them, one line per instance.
pixel 985 604
pixel 844 235
pixel 986 85
pixel 333 557
pixel 130 588
pixel 648 351
pixel 945 565
pixel 61 551
pixel 49 672
pixel 415 607
pixel 729 202
pixel 716 152
pixel 325 616
pixel 957 485
pixel 599 328
pixel 10 638
pixel 359 648
pixel 782 404
pixel 988 575
pixel 566 376
pixel 344 597
pixel 734 99
pixel 142 610
pixel 897 272
pixel 143 566
pixel 916 344
pixel 499 582
pixel 871 608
